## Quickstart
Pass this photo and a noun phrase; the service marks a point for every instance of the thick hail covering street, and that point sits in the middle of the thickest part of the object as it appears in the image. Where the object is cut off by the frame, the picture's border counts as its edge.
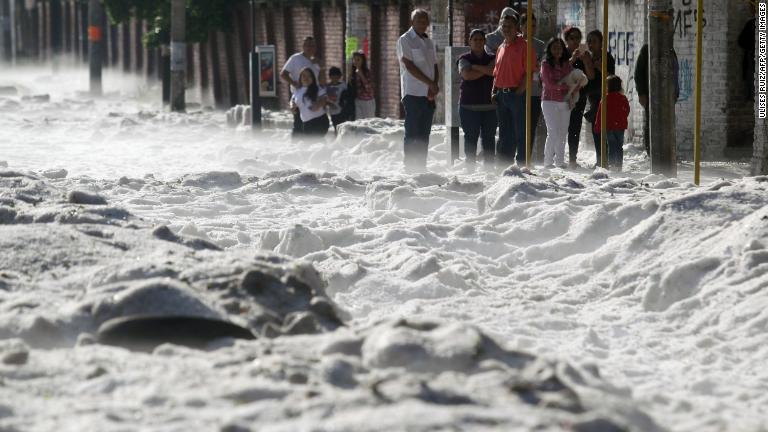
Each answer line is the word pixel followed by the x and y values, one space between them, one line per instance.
pixel 517 299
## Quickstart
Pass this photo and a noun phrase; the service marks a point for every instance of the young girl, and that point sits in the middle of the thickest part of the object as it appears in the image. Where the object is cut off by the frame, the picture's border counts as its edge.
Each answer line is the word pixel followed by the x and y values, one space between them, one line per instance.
pixel 310 99
pixel 557 114
pixel 616 119
pixel 362 80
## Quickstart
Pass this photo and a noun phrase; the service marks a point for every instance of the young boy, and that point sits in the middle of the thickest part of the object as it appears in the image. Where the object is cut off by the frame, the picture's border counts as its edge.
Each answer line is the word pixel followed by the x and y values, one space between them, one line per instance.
pixel 617 117
pixel 335 90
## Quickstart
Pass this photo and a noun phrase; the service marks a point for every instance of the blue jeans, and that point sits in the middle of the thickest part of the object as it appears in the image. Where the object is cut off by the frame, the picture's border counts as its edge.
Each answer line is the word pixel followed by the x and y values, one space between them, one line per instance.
pixel 418 124
pixel 479 124
pixel 616 148
pixel 510 109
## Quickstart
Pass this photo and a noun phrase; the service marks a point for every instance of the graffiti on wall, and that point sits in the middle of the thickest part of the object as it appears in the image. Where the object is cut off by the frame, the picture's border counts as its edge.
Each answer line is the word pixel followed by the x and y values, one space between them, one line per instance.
pixel 621 45
pixel 483 14
pixel 685 19
pixel 574 14
pixel 686 79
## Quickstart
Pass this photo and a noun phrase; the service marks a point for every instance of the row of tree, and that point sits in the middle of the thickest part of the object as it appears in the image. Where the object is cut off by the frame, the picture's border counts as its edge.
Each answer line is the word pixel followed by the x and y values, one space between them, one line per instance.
pixel 203 17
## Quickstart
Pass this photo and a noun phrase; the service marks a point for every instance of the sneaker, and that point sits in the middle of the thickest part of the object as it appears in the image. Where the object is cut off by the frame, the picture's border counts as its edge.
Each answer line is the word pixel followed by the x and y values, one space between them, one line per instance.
pixel 573 165
pixel 562 166
pixel 550 166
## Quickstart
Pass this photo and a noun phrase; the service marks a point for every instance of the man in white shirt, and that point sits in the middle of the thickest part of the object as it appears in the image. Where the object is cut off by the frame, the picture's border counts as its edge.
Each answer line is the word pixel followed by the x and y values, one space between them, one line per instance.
pixel 419 80
pixel 292 70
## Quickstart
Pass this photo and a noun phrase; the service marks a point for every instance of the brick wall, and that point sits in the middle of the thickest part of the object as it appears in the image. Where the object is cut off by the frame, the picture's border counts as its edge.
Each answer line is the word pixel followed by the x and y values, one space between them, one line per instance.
pixel 459 24
pixel 279 37
pixel 332 36
pixel 388 23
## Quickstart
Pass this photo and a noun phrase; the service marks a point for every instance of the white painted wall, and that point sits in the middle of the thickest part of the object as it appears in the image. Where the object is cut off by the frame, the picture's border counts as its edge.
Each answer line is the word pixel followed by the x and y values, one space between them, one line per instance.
pixel 727 114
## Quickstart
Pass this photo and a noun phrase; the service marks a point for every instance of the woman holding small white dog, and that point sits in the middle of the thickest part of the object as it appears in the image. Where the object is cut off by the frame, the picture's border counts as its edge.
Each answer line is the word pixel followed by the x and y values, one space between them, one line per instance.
pixel 557 112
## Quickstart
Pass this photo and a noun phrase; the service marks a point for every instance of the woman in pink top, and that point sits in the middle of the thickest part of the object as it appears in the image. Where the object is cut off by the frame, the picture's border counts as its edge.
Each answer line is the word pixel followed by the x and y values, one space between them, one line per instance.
pixel 365 104
pixel 557 114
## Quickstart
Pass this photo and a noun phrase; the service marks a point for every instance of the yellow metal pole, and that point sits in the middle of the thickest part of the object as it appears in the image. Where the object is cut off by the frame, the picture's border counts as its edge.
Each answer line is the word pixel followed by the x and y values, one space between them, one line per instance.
pixel 528 84
pixel 697 125
pixel 604 90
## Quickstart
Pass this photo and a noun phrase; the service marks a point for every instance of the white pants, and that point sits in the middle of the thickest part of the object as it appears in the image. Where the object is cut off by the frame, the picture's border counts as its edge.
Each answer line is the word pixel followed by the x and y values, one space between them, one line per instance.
pixel 557 116
pixel 365 109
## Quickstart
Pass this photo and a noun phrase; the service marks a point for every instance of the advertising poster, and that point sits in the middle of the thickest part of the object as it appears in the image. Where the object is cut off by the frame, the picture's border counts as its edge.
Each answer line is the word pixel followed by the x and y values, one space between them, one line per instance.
pixel 267 75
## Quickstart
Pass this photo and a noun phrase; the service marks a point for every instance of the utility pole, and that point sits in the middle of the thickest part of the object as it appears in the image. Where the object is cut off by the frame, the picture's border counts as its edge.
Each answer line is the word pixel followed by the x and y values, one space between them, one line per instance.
pixel 449 99
pixel 662 93
pixel 178 54
pixel 165 73
pixel 95 44
pixel 255 74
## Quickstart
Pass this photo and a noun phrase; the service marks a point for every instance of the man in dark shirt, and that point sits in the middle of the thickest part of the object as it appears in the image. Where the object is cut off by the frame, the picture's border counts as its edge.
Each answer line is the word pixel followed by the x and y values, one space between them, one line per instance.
pixel 594 88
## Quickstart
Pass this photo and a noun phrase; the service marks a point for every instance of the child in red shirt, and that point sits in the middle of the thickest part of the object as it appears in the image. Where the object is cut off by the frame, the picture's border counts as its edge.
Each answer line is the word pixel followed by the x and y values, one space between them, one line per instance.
pixel 616 117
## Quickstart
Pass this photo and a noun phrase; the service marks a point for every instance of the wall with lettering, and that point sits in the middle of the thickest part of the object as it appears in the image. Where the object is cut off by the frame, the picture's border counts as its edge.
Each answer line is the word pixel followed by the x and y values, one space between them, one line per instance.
pixel 685 19
pixel 728 115
pixel 621 44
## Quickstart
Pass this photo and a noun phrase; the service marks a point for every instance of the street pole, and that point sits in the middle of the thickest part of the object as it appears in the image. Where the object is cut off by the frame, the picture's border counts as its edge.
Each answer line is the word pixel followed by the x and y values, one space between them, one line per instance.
pixel 662 93
pixel 603 91
pixel 529 60
pixel 95 45
pixel 165 73
pixel 454 129
pixel 697 108
pixel 178 55
pixel 255 75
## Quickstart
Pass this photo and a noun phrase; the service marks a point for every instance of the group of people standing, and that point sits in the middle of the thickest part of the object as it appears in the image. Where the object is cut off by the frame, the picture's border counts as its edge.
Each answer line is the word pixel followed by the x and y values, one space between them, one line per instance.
pixel 492 93
pixel 493 76
pixel 314 98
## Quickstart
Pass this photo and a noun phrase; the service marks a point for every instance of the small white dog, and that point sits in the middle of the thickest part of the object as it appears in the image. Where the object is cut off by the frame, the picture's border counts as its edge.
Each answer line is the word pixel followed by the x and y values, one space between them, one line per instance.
pixel 575 81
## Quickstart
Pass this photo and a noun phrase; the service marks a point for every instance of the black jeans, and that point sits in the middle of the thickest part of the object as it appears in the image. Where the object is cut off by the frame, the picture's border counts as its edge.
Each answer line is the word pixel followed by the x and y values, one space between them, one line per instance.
pixel 317 126
pixel 418 125
pixel 574 127
pixel 647 131
pixel 479 124
pixel 298 126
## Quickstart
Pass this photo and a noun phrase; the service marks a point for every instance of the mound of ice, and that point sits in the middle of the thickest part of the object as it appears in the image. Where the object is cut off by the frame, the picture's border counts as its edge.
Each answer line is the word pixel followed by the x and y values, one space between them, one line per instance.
pixel 100 263
pixel 213 179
